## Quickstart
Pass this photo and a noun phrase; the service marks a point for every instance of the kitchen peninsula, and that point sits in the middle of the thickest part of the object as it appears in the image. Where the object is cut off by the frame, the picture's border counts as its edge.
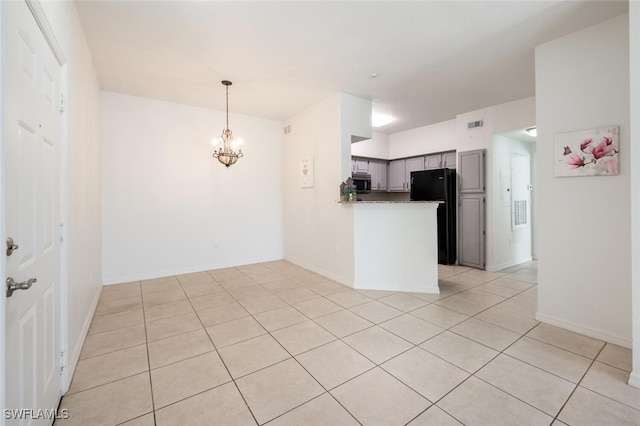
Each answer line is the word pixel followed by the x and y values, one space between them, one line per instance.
pixel 396 246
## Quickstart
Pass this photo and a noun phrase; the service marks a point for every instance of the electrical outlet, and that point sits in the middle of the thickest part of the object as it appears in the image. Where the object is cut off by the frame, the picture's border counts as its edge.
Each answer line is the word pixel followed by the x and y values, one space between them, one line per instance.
pixel 216 243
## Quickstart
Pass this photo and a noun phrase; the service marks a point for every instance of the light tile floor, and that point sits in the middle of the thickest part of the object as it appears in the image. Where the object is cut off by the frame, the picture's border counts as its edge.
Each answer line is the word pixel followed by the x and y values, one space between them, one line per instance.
pixel 275 344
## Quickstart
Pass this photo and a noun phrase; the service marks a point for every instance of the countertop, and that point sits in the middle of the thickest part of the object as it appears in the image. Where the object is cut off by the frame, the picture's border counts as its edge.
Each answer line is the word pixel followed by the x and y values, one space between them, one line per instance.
pixel 391 202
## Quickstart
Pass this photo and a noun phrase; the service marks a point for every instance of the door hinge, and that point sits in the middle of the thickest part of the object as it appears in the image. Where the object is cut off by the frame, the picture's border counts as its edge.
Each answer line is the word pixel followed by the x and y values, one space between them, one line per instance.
pixel 62 102
pixel 63 361
pixel 61 231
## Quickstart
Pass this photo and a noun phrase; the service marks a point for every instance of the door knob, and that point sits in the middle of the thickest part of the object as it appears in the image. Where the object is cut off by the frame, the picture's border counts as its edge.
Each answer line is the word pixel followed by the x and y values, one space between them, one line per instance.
pixel 11 246
pixel 13 286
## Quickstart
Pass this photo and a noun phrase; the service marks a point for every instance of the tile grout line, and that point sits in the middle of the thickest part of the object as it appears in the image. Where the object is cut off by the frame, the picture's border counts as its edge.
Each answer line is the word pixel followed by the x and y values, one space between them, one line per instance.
pixel 578 384
pixel 233 380
pixel 291 356
pixel 470 374
pixel 146 338
pixel 534 366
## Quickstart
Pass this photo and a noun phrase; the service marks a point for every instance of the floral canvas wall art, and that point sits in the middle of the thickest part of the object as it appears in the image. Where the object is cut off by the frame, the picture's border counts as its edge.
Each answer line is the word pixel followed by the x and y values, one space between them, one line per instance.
pixel 590 152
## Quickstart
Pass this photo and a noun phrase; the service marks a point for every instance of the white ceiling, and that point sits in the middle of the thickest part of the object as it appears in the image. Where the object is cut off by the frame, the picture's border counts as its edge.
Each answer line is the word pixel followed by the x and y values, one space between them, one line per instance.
pixel 434 59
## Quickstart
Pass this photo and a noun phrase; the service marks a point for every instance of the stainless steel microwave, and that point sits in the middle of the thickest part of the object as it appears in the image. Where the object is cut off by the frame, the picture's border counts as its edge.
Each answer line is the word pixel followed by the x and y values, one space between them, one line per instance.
pixel 362 181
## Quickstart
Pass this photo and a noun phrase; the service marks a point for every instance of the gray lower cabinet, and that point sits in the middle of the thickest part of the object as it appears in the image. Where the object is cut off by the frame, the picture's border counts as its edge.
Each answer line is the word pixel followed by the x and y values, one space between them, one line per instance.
pixel 471 247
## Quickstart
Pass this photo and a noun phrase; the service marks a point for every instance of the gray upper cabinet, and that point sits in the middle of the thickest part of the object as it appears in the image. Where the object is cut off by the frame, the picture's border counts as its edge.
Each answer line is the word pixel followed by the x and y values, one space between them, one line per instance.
pixel 471 179
pixel 449 160
pixel 397 177
pixel 360 165
pixel 414 164
pixel 378 170
pixel 432 162
pixel 445 160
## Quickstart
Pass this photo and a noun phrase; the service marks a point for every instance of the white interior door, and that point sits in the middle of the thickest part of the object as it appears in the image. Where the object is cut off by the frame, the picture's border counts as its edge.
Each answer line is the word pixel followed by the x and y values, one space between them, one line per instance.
pixel 32 211
pixel 521 207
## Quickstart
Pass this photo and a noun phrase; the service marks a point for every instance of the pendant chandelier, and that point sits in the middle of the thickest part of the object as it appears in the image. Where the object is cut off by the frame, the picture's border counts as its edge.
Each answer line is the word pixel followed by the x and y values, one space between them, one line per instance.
pixel 226 152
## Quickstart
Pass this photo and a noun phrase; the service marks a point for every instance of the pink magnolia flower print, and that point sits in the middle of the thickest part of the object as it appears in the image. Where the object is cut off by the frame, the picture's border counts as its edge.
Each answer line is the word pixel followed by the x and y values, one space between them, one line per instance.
pixel 602 149
pixel 575 161
pixel 585 143
pixel 589 152
pixel 607 166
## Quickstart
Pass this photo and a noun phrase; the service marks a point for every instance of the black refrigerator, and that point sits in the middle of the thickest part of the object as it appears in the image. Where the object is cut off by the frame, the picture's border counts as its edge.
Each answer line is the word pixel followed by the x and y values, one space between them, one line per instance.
pixel 439 185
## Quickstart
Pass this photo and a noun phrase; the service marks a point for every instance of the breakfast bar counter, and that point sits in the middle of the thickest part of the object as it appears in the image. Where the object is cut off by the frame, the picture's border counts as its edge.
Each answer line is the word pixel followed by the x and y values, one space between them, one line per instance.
pixel 396 246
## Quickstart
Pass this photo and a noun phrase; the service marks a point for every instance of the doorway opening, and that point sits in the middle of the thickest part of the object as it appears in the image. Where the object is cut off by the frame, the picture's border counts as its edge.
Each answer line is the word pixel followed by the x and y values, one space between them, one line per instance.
pixel 513 160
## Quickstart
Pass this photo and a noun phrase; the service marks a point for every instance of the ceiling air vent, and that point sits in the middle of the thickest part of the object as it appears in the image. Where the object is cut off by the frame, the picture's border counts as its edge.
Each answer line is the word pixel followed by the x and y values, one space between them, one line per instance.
pixel 287 129
pixel 474 124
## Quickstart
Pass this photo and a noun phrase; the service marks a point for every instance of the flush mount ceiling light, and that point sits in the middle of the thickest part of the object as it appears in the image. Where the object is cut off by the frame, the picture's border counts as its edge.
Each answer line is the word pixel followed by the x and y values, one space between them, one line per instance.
pixel 531 131
pixel 379 119
pixel 226 152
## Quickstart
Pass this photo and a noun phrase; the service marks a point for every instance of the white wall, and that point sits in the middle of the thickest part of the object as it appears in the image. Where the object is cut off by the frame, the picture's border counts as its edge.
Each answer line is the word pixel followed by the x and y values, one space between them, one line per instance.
pixel 355 125
pixel 318 230
pixel 509 247
pixel 376 147
pixel 584 243
pixel 500 118
pixel 169 207
pixel 634 50
pixel 82 185
pixel 423 140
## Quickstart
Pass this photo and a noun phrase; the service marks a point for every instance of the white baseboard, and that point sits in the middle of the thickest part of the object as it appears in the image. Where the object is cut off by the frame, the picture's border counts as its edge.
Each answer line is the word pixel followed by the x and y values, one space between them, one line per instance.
pixel 587 331
pixel 320 271
pixel 179 271
pixel 505 265
pixel 74 356
pixel 406 289
pixel 634 379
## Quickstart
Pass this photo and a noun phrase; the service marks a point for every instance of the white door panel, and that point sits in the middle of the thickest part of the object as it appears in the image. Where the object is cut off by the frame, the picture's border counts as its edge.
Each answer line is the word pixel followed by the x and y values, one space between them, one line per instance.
pixel 32 211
